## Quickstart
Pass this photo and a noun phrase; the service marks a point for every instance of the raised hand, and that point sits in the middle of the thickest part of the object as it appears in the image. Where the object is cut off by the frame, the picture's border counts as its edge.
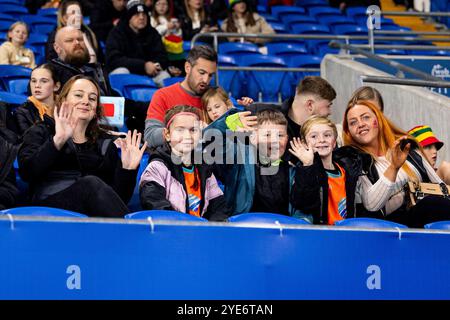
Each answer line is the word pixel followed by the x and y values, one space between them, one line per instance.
pixel 64 124
pixel 131 153
pixel 245 101
pixel 248 121
pixel 304 153
pixel 396 155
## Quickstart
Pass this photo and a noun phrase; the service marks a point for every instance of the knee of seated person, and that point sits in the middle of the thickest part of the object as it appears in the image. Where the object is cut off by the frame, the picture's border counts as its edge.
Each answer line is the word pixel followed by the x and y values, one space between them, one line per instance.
pixel 92 183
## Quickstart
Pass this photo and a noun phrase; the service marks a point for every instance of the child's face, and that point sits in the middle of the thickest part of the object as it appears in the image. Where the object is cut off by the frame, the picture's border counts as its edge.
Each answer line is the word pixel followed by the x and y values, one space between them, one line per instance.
pixel 216 107
pixel 19 34
pixel 161 7
pixel 42 84
pixel 321 138
pixel 272 140
pixel 431 153
pixel 183 134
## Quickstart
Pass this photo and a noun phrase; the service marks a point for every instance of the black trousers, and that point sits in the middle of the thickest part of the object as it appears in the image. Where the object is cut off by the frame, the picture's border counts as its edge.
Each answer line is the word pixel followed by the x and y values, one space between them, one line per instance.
pixel 429 209
pixel 90 195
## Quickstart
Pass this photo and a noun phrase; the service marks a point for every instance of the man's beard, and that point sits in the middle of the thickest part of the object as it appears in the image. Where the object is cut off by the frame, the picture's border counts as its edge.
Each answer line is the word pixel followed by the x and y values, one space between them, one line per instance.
pixel 78 60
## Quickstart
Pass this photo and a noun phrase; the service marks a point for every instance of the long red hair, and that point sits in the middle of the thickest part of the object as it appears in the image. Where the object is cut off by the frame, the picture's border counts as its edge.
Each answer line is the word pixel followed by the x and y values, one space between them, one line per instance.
pixel 388 134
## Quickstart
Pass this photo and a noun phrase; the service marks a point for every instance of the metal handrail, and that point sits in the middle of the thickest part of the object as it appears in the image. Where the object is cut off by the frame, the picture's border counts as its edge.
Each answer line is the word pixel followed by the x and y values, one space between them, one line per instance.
pixel 410 47
pixel 394 64
pixel 408 82
pixel 240 68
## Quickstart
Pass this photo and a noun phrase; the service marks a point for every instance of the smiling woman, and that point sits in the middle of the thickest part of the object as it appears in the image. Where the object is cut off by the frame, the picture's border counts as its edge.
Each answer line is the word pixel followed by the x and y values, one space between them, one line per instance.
pixel 72 164
pixel 384 167
pixel 13 51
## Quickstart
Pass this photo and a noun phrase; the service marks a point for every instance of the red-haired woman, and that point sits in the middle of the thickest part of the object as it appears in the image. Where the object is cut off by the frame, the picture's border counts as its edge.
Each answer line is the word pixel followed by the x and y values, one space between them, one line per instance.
pixel 374 146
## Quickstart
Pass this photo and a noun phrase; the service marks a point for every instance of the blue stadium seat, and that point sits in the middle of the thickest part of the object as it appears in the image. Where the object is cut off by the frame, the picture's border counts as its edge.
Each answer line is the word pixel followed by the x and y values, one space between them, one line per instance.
pixel 237 48
pixel 284 50
pixel 135 202
pixel 164 215
pixel 311 3
pixel 19 86
pixel 6 17
pixel 12 98
pixel 42 25
pixel 172 80
pixel 309 28
pixel 279 27
pixel 304 61
pixel 123 83
pixel 231 81
pixel 288 20
pixel 369 223
pixel 267 83
pixel 440 225
pixel 48 12
pixel 350 29
pixel 442 53
pixel 11 72
pixel 265 218
pixel 280 11
pixel 14 10
pixel 42 211
pixel 4 26
pixel 314 11
pixel 355 11
pixel 269 18
pixel 140 94
pixel 333 19
pixel 394 51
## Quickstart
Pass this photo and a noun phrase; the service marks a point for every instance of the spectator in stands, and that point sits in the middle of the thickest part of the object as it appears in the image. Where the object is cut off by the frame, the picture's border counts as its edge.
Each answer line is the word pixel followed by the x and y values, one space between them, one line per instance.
pixel 172 180
pixel 162 18
pixel 134 46
pixel 216 102
pixel 70 14
pixel 105 16
pixel 314 96
pixel 73 59
pixel 241 19
pixel 344 4
pixel 259 178
pixel 72 164
pixel 369 94
pixel 323 188
pixel 195 20
pixel 431 145
pixel 200 66
pixel 44 86
pixel 8 189
pixel 374 150
pixel 13 51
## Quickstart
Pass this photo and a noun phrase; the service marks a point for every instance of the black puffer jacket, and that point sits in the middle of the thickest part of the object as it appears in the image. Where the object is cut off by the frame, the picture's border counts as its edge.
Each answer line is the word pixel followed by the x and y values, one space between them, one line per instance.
pixel 8 189
pixel 125 48
pixel 310 189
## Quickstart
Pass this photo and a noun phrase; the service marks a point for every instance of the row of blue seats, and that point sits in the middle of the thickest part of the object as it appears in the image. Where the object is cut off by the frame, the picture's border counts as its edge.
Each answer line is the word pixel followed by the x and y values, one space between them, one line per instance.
pixel 260 218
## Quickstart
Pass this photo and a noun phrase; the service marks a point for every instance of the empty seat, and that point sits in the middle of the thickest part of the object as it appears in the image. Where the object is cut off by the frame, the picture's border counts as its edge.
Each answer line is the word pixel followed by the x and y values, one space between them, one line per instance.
pixel 440 225
pixel 125 83
pixel 11 72
pixel 280 11
pixel 19 86
pixel 267 86
pixel 164 215
pixel 314 11
pixel 237 48
pixel 12 98
pixel 369 223
pixel 42 211
pixel 231 81
pixel 15 10
pixel 265 218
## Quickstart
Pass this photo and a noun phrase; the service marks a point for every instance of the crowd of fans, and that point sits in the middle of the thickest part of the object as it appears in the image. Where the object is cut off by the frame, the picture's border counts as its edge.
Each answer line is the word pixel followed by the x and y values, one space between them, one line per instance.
pixel 288 159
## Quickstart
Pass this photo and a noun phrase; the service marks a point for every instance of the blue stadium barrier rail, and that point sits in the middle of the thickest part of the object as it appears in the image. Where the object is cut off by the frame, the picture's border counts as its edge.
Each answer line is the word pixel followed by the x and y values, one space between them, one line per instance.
pixel 76 258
